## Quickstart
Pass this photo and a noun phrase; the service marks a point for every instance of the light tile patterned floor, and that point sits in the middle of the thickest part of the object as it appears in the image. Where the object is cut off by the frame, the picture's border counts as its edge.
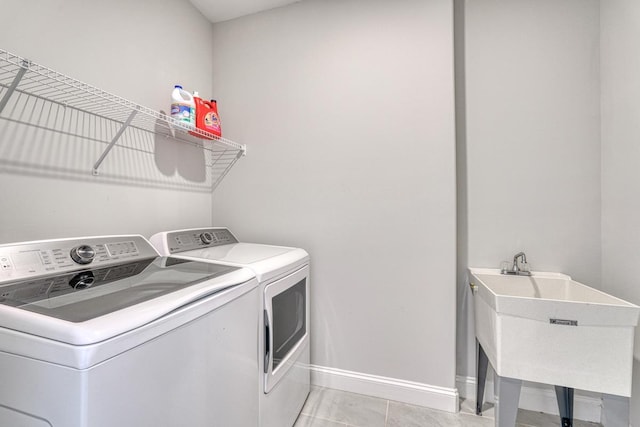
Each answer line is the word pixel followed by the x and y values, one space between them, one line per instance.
pixel 333 408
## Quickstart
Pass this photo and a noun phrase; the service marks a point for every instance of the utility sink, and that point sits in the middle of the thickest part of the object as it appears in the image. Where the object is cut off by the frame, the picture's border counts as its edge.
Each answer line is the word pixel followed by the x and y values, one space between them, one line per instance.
pixel 551 329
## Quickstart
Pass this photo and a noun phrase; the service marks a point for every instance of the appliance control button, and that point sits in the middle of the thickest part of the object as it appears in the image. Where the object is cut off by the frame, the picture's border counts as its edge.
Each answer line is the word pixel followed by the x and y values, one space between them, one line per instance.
pixel 83 254
pixel 206 237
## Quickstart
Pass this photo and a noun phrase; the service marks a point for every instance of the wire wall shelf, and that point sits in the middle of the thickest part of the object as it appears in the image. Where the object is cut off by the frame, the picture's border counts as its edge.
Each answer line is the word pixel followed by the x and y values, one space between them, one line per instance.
pixel 22 78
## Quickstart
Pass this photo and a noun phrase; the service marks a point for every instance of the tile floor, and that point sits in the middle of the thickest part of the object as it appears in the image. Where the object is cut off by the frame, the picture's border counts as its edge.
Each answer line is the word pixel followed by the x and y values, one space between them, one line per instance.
pixel 333 408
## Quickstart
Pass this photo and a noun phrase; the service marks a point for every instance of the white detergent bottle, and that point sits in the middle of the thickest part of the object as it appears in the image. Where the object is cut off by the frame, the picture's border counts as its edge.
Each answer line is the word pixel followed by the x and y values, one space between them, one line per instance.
pixel 183 107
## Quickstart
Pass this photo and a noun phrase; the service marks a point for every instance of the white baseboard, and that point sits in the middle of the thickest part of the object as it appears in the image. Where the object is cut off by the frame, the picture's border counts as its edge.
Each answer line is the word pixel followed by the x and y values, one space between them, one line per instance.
pixel 539 398
pixel 442 398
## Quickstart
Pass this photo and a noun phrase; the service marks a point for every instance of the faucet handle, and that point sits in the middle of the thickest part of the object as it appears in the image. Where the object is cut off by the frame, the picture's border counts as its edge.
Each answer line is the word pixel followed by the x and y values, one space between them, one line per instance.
pixel 505 267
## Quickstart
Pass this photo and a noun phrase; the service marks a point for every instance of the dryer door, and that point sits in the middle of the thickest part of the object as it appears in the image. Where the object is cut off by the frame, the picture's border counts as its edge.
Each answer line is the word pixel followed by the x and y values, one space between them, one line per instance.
pixel 286 318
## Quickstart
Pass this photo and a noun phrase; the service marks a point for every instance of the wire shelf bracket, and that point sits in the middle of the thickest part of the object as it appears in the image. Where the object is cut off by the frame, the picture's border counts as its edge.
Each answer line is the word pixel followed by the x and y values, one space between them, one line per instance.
pixel 113 141
pixel 14 84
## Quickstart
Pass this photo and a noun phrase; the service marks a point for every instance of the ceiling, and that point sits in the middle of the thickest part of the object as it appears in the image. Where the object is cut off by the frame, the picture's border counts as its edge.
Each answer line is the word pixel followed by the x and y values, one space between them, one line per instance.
pixel 223 10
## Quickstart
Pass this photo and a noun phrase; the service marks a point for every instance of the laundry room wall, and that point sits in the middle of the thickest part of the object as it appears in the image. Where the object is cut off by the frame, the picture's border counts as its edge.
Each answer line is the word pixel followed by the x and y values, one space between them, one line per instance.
pixel 137 50
pixel 532 144
pixel 620 43
pixel 347 109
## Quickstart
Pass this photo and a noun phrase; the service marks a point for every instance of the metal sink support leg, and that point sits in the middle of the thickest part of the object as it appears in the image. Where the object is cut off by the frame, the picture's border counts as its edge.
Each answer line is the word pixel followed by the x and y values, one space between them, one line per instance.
pixel 481 375
pixel 565 405
pixel 507 392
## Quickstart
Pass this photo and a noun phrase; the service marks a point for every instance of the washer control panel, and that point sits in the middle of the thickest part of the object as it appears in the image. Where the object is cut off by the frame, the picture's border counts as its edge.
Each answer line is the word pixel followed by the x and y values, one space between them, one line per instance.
pixel 186 240
pixel 30 259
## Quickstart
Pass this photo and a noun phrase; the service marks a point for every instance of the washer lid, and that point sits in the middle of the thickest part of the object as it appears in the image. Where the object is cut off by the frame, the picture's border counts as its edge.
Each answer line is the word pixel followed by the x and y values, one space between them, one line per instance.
pixel 92 305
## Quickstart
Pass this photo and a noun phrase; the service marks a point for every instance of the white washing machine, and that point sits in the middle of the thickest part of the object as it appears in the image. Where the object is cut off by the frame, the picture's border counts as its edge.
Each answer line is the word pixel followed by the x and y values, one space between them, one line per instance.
pixel 283 276
pixel 103 332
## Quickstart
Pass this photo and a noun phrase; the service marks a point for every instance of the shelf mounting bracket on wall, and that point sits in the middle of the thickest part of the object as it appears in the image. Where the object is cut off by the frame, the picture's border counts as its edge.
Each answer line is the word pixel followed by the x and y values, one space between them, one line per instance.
pixel 16 80
pixel 114 140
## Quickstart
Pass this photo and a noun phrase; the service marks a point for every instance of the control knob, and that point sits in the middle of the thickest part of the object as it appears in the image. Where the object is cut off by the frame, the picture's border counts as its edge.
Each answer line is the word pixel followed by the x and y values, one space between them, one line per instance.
pixel 83 254
pixel 206 238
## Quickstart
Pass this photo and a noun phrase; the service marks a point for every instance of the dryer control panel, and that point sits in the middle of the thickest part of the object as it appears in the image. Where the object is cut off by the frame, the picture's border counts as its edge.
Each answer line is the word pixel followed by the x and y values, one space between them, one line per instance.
pixel 186 240
pixel 31 259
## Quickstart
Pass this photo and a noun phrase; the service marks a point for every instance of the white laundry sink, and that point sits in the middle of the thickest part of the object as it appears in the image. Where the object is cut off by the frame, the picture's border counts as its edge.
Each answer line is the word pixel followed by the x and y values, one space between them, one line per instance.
pixel 550 329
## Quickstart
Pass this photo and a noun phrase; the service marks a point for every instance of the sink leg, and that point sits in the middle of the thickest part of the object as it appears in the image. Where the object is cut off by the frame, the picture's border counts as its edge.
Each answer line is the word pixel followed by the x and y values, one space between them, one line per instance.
pixel 507 392
pixel 565 405
pixel 481 375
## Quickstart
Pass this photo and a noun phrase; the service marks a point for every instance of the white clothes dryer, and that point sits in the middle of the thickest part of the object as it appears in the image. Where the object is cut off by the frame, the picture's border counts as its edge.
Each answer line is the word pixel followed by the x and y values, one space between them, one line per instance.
pixel 283 277
pixel 103 332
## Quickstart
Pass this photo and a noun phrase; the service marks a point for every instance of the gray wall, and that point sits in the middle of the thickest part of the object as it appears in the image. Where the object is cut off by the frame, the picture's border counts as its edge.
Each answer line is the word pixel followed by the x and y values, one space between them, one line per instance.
pixel 620 25
pixel 532 143
pixel 348 106
pixel 135 50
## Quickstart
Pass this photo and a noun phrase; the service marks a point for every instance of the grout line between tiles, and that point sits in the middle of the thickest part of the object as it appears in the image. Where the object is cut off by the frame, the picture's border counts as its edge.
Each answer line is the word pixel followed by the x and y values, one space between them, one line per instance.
pixel 331 421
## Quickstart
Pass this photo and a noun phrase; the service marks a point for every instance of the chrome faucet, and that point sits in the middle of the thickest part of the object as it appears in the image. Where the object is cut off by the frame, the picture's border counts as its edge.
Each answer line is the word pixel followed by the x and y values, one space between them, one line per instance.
pixel 515 269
